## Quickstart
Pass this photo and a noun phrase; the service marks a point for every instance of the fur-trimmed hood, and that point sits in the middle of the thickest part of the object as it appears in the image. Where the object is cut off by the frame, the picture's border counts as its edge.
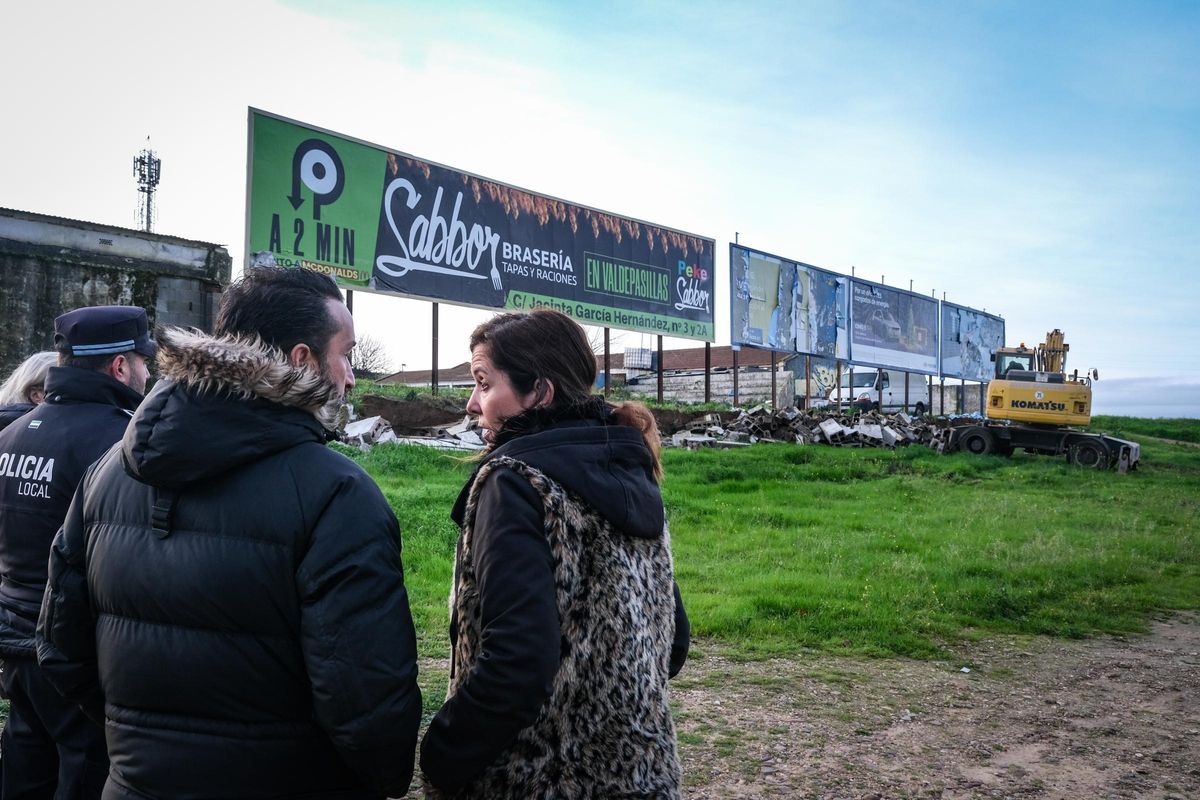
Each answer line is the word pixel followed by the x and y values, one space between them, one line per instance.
pixel 245 367
pixel 220 402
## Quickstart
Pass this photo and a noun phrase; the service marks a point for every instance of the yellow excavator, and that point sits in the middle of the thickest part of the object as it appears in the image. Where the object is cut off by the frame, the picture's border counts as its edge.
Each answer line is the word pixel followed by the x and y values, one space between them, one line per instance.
pixel 1032 403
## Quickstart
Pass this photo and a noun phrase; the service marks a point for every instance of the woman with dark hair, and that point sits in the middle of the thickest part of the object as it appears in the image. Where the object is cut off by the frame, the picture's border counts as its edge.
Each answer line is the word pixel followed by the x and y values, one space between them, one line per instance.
pixel 565 619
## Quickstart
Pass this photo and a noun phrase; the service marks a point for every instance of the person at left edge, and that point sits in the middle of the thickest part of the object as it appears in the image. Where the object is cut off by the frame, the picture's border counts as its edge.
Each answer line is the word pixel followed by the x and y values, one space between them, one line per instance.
pixel 25 387
pixel 49 748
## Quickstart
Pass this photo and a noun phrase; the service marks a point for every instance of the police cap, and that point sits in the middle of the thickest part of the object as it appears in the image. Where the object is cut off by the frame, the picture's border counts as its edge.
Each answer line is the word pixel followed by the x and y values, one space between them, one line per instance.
pixel 104 331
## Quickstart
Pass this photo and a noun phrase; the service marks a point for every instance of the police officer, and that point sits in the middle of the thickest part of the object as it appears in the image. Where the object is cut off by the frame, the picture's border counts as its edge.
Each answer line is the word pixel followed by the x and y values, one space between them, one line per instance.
pixel 49 748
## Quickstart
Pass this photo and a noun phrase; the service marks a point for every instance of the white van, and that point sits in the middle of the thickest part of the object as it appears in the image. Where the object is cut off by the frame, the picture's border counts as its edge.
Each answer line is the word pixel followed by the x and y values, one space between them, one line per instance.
pixel 866 386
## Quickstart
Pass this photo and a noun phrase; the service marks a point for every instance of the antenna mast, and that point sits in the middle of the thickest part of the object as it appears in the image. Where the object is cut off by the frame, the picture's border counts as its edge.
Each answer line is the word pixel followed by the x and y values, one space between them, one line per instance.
pixel 147 168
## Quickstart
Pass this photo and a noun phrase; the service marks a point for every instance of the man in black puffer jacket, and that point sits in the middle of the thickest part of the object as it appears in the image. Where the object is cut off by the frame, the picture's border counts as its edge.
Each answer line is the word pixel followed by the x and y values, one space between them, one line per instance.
pixel 228 592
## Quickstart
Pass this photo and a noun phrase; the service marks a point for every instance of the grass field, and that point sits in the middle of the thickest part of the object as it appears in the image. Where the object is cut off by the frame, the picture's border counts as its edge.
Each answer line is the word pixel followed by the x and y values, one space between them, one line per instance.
pixel 781 547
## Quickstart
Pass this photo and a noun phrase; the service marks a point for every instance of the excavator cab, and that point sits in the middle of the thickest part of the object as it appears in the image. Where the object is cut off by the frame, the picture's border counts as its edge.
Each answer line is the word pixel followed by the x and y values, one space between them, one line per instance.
pixel 1031 386
pixel 1013 358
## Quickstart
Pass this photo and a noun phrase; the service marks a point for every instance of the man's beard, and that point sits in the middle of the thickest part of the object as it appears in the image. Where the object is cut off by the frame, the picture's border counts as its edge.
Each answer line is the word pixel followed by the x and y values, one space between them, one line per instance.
pixel 333 413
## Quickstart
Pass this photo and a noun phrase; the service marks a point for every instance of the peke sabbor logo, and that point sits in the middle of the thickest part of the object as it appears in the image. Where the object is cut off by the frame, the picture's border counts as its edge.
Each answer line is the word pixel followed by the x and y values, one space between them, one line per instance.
pixel 689 289
pixel 435 243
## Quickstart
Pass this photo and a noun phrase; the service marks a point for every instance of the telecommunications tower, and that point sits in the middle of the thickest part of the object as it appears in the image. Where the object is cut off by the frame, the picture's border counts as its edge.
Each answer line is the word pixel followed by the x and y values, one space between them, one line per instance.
pixel 147 168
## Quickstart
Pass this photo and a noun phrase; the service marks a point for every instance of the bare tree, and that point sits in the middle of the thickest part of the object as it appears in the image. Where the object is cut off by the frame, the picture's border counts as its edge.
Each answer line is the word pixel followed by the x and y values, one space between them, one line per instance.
pixel 595 337
pixel 369 358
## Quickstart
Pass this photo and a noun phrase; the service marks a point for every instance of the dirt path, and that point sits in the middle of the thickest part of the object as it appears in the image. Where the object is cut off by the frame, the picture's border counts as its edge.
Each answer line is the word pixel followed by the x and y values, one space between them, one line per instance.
pixel 1037 718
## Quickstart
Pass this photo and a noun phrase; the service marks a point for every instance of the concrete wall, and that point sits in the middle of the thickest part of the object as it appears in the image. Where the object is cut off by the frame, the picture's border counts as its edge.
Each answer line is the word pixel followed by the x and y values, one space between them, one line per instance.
pixel 754 386
pixel 49 265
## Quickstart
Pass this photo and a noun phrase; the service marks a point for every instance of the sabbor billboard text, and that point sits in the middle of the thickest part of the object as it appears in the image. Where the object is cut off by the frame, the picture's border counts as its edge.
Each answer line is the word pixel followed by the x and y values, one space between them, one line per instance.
pixel 383 221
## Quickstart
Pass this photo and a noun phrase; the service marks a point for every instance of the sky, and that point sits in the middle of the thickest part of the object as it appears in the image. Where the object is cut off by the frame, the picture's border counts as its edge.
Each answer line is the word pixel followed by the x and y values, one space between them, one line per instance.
pixel 1037 160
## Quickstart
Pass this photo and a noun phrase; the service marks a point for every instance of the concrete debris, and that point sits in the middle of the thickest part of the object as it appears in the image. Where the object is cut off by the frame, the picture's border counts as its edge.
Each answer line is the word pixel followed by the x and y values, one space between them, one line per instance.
pixel 694 441
pixel 817 426
pixel 438 443
pixel 365 431
pixel 725 430
pixel 463 436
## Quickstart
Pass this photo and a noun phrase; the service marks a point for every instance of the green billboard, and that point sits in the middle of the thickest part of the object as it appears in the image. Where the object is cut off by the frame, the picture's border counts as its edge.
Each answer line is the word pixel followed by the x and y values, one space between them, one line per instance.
pixel 383 221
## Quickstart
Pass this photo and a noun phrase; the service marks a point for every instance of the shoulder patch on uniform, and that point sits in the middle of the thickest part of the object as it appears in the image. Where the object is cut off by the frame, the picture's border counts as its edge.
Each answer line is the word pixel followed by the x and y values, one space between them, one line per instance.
pixel 35 424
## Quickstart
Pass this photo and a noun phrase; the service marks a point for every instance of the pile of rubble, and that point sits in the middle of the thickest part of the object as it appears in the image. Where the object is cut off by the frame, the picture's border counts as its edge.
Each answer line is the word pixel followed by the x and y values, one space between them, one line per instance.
pixel 819 426
pixel 463 436
pixel 749 426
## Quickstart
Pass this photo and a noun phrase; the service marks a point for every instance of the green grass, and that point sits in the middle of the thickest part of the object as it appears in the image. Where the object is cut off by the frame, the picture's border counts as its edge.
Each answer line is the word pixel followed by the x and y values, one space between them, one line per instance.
pixel 405 392
pixel 783 547
pixel 1183 430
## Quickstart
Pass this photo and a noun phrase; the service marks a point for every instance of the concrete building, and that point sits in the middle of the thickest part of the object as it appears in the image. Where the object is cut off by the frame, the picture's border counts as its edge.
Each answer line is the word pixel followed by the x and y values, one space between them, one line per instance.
pixel 49 265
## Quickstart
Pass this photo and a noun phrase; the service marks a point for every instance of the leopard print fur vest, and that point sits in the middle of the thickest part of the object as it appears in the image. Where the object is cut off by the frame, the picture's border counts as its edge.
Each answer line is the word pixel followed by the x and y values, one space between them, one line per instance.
pixel 606 731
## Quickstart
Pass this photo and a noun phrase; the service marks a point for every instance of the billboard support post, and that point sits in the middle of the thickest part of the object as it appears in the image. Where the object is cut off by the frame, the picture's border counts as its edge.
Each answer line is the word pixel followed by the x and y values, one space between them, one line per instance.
pixel 850 398
pixel 350 301
pixel 879 386
pixel 433 375
pixel 774 387
pixel 607 371
pixel 660 370
pixel 906 393
pixel 708 372
pixel 982 393
pixel 735 376
pixel 807 380
pixel 962 394
pixel 839 386
pixel 942 395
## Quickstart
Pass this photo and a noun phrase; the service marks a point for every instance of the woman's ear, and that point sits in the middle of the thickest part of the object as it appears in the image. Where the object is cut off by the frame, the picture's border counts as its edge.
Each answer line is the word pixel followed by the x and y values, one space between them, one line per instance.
pixel 545 393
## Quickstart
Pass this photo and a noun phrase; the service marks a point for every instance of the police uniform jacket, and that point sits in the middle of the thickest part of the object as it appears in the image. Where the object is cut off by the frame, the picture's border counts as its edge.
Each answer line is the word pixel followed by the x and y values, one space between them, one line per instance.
pixel 227 593
pixel 42 459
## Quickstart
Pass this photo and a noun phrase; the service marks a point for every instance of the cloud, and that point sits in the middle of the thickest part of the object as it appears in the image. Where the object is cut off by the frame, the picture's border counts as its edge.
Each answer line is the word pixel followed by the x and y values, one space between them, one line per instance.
pixel 1146 397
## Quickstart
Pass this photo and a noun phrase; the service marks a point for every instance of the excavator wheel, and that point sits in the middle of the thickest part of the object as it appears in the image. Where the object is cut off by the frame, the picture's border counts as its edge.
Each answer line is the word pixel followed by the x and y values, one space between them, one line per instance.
pixel 977 440
pixel 1088 453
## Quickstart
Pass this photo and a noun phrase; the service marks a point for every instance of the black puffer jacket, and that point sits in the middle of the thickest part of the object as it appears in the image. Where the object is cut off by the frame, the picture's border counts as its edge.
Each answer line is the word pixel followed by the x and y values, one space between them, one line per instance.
pixel 42 460
pixel 229 591
pixel 608 471
pixel 10 414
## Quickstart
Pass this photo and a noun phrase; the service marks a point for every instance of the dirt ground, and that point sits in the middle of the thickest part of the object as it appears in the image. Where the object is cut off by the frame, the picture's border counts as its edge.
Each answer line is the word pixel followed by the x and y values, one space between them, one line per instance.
pixel 1033 718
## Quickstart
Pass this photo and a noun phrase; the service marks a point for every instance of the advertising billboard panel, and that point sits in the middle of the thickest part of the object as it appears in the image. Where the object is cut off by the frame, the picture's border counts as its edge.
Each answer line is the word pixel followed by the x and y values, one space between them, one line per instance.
pixel 969 340
pixel 787 305
pixel 383 221
pixel 892 328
